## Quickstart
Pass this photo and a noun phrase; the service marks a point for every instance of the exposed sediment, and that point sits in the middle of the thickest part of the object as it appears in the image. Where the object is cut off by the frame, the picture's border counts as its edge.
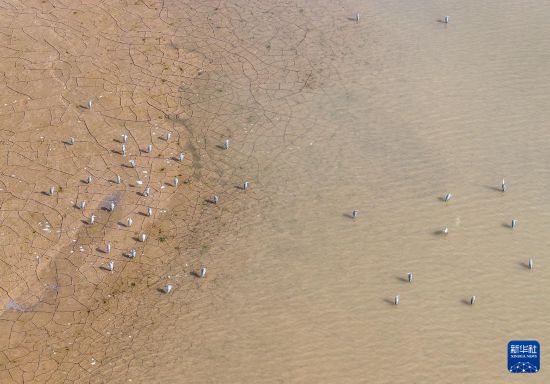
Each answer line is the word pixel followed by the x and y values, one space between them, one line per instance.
pixel 199 70
pixel 62 313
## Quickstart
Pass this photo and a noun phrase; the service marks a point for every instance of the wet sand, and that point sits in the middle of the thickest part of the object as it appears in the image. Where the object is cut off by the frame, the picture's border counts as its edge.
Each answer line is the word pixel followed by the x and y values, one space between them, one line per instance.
pixel 325 115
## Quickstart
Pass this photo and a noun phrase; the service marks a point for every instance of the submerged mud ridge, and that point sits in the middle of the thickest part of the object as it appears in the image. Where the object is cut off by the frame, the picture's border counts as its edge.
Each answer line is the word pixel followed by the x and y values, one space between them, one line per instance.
pixel 199 70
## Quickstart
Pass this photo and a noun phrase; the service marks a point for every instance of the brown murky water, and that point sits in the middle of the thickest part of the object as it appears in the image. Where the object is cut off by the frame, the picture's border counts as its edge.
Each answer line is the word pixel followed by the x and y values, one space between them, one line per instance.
pixel 324 115
pixel 402 109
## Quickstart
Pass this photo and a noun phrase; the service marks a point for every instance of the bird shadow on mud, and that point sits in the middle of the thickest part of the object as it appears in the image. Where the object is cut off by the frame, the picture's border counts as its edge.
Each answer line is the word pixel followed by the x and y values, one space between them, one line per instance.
pixel 524 265
pixel 493 188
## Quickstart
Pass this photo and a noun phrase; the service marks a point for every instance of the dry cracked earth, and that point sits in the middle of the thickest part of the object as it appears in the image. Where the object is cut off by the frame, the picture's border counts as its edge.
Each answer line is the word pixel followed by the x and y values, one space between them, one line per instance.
pixel 205 71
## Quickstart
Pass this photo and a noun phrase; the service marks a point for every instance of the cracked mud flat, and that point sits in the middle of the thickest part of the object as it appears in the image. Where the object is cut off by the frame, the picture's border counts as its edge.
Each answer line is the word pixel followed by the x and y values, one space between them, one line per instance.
pixel 144 65
pixel 324 115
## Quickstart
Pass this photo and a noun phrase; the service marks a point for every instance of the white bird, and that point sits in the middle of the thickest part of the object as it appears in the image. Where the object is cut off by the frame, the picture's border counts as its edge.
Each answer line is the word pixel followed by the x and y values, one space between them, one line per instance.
pixel 149 148
pixel 445 231
pixel 448 197
pixel 215 199
pixel 124 137
pixel 176 181
pixel 149 211
pixel 410 277
pixel 246 184
pixel 132 163
pixel 503 186
pixel 226 144
pixel 354 213
pixel 71 141
pixel 118 179
pixel 396 300
pixel 181 156
pixel 108 248
pixel 472 300
pixel 357 17
pixel 146 192
pixel 129 222
pixel 92 219
pixel 132 254
pixel 202 272
pixel 89 104
pixel 446 19
pixel 89 180
pixel 52 190
pixel 530 264
pixel 82 205
pixel 167 136
pixel 167 288
pixel 142 237
pixel 110 266
pixel 514 223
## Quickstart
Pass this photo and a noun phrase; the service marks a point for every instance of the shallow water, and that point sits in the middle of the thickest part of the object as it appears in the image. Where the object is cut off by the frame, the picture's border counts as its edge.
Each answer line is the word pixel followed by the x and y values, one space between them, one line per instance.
pixel 405 110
